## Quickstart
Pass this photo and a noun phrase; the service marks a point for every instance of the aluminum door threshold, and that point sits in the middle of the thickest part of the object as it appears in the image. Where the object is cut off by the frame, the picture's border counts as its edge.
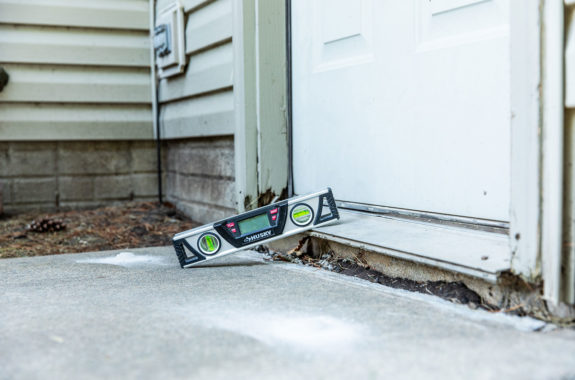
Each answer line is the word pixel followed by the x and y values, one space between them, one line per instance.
pixel 475 253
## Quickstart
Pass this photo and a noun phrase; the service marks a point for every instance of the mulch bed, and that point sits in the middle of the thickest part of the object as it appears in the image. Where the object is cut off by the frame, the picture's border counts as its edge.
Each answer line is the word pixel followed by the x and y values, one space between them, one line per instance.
pixel 131 225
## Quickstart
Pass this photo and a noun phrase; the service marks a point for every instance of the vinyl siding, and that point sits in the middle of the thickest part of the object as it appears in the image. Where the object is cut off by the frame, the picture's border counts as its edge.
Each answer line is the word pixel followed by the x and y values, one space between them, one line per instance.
pixel 197 115
pixel 117 14
pixel 199 102
pixel 79 70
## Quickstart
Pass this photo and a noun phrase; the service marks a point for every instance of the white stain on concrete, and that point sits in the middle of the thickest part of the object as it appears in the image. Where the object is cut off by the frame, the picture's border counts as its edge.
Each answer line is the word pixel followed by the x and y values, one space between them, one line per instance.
pixel 124 259
pixel 308 332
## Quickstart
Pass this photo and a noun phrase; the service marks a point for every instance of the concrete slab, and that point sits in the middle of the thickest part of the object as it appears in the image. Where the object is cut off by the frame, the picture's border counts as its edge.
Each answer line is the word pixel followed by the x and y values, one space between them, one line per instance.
pixel 138 315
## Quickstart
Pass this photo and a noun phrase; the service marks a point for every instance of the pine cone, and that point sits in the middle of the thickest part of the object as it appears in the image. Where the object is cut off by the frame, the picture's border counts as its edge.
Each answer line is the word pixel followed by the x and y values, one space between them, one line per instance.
pixel 47 225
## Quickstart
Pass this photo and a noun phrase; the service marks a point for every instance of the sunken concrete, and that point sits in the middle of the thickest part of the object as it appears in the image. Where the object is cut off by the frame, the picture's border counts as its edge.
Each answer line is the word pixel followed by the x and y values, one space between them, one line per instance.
pixel 138 315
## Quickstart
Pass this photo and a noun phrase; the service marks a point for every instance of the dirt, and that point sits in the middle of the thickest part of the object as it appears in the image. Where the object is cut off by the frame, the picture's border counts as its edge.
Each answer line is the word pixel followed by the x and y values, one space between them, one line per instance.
pixel 131 225
pixel 456 292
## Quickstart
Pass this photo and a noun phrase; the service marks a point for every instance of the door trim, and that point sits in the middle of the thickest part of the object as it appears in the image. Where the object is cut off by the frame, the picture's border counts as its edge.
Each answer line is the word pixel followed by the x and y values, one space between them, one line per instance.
pixel 260 101
pixel 552 40
pixel 526 146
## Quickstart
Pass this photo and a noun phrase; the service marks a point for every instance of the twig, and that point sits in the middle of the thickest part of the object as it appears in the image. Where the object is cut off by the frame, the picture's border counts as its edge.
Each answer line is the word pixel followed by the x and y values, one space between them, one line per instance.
pixel 507 310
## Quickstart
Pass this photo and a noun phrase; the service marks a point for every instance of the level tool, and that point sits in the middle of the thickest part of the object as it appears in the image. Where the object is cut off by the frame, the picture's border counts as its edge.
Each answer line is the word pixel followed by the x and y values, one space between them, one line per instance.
pixel 275 221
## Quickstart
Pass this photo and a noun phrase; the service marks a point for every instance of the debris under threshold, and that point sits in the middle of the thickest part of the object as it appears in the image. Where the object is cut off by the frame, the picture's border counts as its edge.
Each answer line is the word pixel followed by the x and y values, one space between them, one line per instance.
pixel 136 314
pixel 514 296
pixel 456 292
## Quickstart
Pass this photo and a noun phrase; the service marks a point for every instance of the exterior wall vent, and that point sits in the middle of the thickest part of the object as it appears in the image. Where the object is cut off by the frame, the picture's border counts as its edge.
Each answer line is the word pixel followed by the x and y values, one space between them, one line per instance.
pixel 169 41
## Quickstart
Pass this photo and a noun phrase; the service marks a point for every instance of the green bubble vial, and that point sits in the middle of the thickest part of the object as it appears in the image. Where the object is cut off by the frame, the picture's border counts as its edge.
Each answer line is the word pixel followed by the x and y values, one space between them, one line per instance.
pixel 209 244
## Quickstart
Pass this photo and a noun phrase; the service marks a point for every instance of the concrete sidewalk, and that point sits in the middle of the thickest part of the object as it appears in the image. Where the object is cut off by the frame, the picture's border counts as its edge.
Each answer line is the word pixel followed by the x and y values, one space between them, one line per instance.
pixel 138 315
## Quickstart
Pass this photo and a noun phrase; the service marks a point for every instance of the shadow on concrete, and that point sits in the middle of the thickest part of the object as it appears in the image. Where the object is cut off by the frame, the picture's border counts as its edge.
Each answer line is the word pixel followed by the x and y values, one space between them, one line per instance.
pixel 228 264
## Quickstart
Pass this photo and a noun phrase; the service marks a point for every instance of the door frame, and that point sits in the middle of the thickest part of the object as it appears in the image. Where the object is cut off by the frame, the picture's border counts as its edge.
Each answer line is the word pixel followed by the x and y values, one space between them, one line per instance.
pixel 535 222
pixel 262 148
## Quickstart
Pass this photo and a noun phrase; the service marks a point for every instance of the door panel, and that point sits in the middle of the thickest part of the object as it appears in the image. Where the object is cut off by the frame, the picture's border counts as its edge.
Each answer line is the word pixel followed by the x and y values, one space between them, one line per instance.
pixel 404 103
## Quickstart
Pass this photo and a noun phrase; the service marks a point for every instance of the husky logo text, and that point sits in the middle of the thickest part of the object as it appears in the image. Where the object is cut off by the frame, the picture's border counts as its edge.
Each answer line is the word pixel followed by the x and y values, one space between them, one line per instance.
pixel 261 235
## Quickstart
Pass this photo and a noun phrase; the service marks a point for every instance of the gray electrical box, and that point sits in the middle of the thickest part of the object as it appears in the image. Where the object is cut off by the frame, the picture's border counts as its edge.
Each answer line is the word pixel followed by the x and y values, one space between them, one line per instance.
pixel 169 41
pixel 162 40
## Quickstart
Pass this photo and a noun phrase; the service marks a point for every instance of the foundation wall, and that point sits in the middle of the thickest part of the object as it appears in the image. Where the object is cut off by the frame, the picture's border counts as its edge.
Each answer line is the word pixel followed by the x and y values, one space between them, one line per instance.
pixel 200 177
pixel 60 175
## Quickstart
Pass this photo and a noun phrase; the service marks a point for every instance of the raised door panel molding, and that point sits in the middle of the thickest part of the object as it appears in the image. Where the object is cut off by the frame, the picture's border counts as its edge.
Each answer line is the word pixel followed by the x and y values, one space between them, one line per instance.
pixel 447 23
pixel 343 34
pixel 441 6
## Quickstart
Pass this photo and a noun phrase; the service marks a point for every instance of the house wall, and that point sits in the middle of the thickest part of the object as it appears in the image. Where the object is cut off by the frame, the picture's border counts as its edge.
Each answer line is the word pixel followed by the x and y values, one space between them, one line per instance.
pixel 76 119
pixel 51 175
pixel 79 70
pixel 197 114
pixel 200 101
pixel 80 73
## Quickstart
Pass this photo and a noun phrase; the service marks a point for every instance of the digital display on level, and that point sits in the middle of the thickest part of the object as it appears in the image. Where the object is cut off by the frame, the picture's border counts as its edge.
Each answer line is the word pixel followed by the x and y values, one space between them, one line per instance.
pixel 253 224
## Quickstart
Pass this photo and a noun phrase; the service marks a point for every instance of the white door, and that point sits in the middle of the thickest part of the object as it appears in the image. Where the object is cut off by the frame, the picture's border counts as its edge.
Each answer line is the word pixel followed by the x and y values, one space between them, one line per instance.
pixel 404 103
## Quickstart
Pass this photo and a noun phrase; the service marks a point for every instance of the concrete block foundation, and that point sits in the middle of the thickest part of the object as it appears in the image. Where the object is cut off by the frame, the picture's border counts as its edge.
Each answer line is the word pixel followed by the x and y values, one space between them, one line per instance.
pixel 69 174
pixel 200 177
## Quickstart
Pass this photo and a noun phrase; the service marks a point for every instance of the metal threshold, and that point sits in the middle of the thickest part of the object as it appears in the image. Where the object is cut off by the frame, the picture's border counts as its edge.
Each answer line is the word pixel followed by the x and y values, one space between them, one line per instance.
pixel 476 253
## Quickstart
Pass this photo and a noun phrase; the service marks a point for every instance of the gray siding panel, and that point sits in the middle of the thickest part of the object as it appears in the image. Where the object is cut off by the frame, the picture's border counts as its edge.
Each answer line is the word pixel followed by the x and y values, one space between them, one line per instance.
pixel 69 84
pixel 79 70
pixel 206 116
pixel 209 25
pixel 58 122
pixel 118 14
pixel 206 72
pixel 200 102
pixel 46 44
